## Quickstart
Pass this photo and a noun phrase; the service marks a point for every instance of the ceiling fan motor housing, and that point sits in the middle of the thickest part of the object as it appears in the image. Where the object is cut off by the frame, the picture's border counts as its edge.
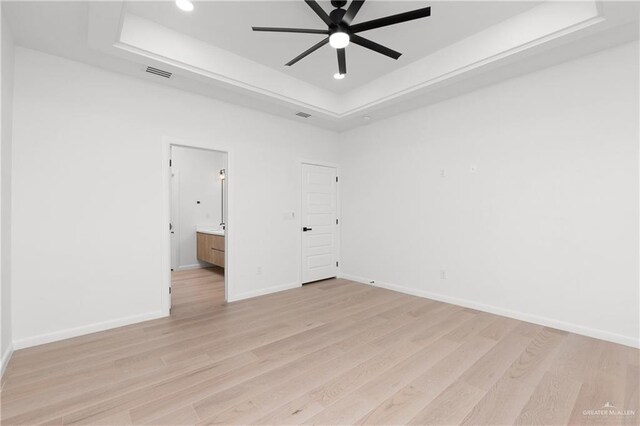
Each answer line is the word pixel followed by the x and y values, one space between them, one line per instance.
pixel 336 15
pixel 338 3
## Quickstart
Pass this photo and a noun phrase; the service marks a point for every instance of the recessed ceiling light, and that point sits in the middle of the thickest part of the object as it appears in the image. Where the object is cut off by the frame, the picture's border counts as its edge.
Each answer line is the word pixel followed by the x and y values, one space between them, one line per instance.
pixel 339 76
pixel 339 40
pixel 185 5
pixel 366 117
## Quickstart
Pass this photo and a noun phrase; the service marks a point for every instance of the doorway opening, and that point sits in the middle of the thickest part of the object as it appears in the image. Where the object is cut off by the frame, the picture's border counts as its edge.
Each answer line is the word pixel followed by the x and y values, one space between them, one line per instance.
pixel 320 222
pixel 198 229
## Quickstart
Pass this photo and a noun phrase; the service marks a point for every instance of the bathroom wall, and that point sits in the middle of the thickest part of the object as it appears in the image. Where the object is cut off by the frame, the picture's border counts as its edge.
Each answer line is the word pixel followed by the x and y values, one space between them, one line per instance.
pixel 195 199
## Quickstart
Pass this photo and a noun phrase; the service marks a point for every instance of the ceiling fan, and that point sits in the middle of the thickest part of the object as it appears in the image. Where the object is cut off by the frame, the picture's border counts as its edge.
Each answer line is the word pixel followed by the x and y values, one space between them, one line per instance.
pixel 341 31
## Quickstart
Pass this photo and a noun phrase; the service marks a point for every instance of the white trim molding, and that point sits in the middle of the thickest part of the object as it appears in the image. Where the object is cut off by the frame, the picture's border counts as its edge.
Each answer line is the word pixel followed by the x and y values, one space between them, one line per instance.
pixel 262 292
pixel 41 339
pixel 631 341
pixel 6 357
pixel 191 267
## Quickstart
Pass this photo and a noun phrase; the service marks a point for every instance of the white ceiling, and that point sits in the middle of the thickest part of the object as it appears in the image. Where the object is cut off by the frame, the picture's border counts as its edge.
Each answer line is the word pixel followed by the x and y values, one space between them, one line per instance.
pixel 227 25
pixel 461 47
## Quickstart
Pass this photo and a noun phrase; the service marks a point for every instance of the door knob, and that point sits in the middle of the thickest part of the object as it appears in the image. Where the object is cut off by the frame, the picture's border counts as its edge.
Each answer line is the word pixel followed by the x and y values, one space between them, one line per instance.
pixel 305 229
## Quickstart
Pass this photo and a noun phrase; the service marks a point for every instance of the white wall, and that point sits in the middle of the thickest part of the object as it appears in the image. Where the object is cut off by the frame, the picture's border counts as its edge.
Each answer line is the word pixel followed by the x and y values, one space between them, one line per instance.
pixel 195 179
pixel 6 65
pixel 546 230
pixel 88 183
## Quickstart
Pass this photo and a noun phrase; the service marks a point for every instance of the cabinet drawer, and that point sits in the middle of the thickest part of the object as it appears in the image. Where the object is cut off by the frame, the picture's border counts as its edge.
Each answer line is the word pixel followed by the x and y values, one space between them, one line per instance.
pixel 217 257
pixel 217 242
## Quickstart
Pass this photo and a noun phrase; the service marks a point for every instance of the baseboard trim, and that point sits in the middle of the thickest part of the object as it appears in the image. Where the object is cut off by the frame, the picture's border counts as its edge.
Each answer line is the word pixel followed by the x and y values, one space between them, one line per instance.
pixel 6 357
pixel 522 316
pixel 41 339
pixel 190 267
pixel 262 292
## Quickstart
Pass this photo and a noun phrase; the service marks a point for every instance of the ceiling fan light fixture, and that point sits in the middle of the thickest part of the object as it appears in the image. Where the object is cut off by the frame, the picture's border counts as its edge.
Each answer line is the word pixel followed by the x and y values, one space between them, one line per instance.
pixel 339 76
pixel 185 5
pixel 339 40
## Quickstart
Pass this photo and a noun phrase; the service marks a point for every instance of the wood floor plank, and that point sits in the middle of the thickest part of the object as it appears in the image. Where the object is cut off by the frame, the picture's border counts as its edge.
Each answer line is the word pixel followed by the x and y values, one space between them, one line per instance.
pixel 48 410
pixel 407 402
pixel 276 363
pixel 356 407
pixel 504 401
pixel 304 383
pixel 183 416
pixel 332 352
pixel 455 402
pixel 597 393
pixel 351 407
pixel 551 402
pixel 354 353
pixel 342 375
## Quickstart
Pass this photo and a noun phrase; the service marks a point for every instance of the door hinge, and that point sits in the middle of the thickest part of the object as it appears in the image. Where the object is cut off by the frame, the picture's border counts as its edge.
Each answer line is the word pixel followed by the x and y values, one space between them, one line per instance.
pixel 336 263
pixel 336 178
pixel 336 221
pixel 169 162
pixel 169 290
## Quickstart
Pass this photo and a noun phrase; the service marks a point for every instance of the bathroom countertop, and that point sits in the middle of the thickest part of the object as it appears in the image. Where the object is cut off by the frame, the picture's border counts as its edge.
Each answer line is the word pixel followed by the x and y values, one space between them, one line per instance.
pixel 210 230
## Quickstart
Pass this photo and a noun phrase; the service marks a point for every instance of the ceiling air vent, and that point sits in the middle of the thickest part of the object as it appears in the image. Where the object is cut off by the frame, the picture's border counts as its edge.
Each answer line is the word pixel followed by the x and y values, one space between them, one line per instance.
pixel 303 114
pixel 161 73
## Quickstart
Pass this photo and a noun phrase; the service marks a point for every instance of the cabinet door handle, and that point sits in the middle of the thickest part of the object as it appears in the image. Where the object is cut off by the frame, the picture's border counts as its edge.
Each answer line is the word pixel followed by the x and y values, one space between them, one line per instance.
pixel 305 229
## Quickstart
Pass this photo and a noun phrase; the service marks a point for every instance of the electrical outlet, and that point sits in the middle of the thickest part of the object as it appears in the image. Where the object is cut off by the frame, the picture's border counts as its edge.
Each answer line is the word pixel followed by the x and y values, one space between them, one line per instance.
pixel 259 270
pixel 443 274
pixel 442 173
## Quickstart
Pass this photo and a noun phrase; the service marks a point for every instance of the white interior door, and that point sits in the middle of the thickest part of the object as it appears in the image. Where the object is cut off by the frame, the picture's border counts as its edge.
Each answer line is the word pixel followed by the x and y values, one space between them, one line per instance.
pixel 319 218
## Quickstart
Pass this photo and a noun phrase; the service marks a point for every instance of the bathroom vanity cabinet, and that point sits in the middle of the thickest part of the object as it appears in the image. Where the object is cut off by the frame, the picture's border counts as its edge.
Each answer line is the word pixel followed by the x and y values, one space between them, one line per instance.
pixel 210 248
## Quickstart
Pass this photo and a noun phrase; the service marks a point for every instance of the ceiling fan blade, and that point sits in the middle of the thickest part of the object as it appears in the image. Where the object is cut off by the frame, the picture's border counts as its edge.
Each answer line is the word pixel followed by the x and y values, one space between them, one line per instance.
pixel 342 61
pixel 308 51
pixel 319 11
pixel 374 46
pixel 290 30
pixel 352 11
pixel 391 20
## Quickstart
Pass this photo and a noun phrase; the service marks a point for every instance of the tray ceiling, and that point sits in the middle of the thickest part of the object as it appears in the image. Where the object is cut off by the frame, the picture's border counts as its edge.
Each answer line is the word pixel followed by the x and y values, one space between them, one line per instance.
pixel 213 52
pixel 227 25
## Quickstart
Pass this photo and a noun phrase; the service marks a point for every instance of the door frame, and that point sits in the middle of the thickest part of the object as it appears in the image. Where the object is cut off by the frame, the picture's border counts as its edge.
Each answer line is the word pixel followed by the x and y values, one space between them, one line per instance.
pixel 165 263
pixel 174 217
pixel 302 162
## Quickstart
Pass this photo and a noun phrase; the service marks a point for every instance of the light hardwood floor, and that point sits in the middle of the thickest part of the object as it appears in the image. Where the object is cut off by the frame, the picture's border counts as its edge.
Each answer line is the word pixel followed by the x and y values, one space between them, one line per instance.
pixel 334 352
